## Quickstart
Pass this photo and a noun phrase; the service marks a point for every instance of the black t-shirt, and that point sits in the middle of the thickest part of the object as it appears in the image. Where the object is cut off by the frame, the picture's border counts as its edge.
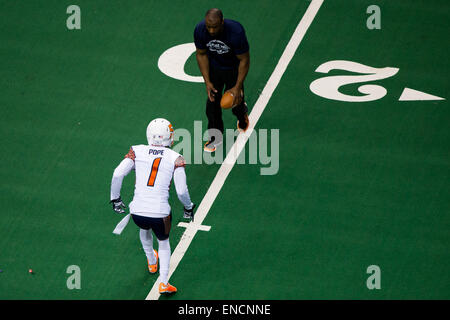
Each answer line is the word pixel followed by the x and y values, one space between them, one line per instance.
pixel 222 49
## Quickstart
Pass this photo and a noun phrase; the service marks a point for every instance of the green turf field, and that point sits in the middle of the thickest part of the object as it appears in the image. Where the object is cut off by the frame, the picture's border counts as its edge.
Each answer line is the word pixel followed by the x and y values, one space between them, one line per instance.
pixel 359 183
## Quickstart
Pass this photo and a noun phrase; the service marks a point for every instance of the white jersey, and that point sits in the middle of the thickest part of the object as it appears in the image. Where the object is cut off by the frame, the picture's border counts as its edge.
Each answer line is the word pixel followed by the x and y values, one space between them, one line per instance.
pixel 155 168
pixel 154 172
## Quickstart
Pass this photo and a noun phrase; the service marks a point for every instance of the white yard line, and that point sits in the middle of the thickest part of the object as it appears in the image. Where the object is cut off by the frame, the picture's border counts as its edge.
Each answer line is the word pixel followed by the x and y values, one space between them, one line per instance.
pixel 240 142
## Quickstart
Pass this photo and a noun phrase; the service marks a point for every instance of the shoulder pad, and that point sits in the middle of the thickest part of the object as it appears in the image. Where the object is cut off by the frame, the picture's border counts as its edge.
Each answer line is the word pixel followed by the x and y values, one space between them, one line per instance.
pixel 130 154
pixel 180 162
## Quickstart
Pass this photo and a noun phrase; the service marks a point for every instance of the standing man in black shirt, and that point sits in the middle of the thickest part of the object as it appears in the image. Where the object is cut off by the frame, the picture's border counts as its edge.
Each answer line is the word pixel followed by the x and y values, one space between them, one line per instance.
pixel 223 57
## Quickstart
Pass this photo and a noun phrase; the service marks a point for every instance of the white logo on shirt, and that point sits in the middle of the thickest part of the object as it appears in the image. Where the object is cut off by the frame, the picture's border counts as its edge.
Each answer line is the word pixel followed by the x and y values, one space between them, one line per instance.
pixel 218 46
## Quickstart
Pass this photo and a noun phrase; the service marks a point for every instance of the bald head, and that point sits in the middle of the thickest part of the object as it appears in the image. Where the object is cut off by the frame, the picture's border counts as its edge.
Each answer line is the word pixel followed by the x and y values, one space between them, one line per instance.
pixel 214 21
pixel 214 14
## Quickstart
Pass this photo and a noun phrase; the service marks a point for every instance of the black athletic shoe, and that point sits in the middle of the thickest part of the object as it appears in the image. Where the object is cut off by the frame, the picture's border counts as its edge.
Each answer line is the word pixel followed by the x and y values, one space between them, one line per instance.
pixel 243 124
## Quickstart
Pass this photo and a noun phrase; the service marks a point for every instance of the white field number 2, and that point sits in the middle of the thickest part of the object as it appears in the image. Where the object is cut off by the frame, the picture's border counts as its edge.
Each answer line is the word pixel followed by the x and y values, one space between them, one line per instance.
pixel 328 87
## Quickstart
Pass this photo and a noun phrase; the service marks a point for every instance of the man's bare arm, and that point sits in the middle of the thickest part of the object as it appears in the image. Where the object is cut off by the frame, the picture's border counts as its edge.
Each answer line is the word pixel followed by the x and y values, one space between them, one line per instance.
pixel 244 66
pixel 203 64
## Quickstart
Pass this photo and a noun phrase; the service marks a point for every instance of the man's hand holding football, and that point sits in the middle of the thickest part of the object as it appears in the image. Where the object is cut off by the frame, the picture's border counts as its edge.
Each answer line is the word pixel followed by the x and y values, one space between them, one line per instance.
pixel 237 94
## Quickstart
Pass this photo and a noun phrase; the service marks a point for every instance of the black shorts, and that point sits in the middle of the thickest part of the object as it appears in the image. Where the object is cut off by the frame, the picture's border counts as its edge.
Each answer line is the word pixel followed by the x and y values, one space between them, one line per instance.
pixel 160 226
pixel 223 79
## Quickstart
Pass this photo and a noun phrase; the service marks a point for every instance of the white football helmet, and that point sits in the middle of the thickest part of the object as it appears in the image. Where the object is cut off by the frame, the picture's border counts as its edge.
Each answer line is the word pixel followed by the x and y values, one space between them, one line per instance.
pixel 160 133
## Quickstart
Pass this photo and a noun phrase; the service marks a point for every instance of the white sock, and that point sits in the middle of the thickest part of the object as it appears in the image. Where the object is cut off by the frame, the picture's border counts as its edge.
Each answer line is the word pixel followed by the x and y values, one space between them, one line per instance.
pixel 147 244
pixel 164 260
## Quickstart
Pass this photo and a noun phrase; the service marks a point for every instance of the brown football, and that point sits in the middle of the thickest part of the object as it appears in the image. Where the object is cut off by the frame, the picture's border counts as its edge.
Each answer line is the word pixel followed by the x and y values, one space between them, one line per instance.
pixel 227 100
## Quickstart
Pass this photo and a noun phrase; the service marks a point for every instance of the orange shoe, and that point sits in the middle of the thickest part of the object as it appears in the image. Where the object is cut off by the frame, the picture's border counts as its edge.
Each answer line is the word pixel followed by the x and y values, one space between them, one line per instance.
pixel 210 146
pixel 166 288
pixel 152 268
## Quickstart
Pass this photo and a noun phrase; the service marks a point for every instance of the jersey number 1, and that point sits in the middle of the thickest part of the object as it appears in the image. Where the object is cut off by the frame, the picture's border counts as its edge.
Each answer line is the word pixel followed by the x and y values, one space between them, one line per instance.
pixel 154 172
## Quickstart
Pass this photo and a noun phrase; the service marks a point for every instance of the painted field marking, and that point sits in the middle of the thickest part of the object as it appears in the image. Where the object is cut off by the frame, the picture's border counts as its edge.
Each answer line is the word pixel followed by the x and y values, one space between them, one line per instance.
pixel 194 225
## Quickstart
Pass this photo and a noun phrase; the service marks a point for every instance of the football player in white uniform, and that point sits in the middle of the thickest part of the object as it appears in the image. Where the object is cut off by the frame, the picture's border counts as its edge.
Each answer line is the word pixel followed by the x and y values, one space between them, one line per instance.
pixel 155 165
